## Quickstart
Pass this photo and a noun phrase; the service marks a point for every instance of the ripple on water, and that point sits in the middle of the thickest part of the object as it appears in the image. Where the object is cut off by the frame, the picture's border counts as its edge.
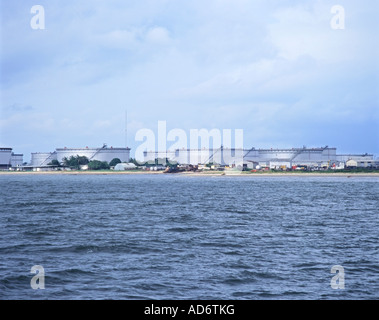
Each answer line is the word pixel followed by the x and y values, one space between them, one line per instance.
pixel 122 237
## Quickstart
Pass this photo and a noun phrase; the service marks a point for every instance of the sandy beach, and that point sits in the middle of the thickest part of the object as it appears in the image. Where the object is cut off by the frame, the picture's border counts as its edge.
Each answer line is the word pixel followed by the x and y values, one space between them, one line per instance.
pixel 201 174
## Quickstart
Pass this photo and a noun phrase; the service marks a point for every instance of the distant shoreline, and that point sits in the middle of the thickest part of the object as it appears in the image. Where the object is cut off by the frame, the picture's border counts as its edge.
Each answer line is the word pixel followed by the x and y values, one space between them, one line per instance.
pixel 200 174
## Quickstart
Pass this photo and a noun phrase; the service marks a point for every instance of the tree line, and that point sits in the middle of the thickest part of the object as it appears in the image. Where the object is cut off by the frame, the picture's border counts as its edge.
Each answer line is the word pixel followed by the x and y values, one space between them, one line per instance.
pixel 76 162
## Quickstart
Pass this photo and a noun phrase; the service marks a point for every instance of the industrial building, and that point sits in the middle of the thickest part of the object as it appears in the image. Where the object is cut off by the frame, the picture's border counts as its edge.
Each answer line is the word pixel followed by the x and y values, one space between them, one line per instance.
pixel 356 157
pixel 222 156
pixel 262 158
pixel 100 154
pixel 8 159
pixel 41 159
pixel 351 163
pixel 323 157
pixel 358 160
pixel 289 158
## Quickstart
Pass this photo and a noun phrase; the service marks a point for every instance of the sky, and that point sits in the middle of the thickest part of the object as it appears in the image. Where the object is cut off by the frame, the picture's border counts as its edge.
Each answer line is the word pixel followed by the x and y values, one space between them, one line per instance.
pixel 279 70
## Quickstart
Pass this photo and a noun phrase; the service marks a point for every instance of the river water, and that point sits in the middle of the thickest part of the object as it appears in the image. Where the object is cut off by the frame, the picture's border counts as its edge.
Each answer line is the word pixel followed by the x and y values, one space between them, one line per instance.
pixel 174 237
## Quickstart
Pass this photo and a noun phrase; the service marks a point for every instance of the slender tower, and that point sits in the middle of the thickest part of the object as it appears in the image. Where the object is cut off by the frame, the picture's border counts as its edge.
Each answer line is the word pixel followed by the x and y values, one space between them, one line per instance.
pixel 126 129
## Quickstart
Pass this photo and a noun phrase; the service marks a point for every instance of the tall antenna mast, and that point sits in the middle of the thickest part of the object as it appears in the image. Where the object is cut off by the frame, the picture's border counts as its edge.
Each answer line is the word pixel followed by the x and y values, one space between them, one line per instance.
pixel 126 129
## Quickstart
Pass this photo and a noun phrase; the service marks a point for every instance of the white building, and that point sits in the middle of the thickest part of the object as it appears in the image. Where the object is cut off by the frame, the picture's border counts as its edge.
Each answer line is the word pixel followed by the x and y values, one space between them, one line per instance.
pixel 362 163
pixel 125 166
pixel 40 159
pixel 101 154
pixel 17 160
pixel 272 158
pixel 221 156
pixel 356 157
pixel 358 160
pixel 5 158
pixel 8 159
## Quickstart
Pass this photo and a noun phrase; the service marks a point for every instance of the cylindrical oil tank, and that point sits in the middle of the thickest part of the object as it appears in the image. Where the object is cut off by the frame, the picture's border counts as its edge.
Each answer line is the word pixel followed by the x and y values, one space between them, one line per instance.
pixel 100 154
pixel 5 157
pixel 39 159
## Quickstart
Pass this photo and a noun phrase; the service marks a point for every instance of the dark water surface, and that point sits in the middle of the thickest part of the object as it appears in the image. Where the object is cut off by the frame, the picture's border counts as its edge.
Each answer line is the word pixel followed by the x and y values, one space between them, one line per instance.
pixel 173 237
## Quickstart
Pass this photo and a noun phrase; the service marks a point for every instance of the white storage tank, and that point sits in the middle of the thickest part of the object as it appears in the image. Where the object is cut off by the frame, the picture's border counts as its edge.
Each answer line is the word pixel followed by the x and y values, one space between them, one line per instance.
pixel 17 160
pixel 5 157
pixel 100 154
pixel 39 159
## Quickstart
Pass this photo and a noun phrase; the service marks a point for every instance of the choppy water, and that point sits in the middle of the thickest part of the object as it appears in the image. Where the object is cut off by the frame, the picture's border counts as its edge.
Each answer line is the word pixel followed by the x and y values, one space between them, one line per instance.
pixel 173 237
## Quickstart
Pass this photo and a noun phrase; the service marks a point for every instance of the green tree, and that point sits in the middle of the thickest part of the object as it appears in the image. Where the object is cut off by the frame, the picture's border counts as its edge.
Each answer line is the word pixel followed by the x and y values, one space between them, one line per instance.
pixel 105 165
pixel 114 162
pixel 132 160
pixel 98 165
pixel 69 162
pixel 54 163
pixel 75 161
pixel 82 160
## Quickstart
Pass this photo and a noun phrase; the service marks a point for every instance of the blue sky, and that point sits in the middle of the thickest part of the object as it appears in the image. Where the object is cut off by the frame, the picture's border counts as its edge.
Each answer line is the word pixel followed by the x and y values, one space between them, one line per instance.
pixel 276 69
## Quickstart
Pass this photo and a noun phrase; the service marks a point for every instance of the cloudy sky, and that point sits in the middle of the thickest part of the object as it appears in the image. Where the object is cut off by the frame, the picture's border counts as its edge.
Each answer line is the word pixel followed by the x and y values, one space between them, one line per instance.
pixel 274 68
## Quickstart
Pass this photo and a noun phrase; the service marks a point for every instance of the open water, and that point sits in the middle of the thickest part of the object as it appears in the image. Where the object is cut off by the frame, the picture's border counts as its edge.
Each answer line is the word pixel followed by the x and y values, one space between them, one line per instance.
pixel 173 237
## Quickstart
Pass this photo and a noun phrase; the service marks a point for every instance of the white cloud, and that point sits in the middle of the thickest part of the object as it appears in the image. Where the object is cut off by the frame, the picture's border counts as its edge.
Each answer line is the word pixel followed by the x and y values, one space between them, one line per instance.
pixel 158 35
pixel 305 30
pixel 258 65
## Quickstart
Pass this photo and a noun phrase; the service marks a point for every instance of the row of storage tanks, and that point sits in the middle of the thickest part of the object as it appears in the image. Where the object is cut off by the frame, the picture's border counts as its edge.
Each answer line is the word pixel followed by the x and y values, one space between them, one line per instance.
pixel 227 156
pixel 39 159
pixel 317 157
pixel 223 156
